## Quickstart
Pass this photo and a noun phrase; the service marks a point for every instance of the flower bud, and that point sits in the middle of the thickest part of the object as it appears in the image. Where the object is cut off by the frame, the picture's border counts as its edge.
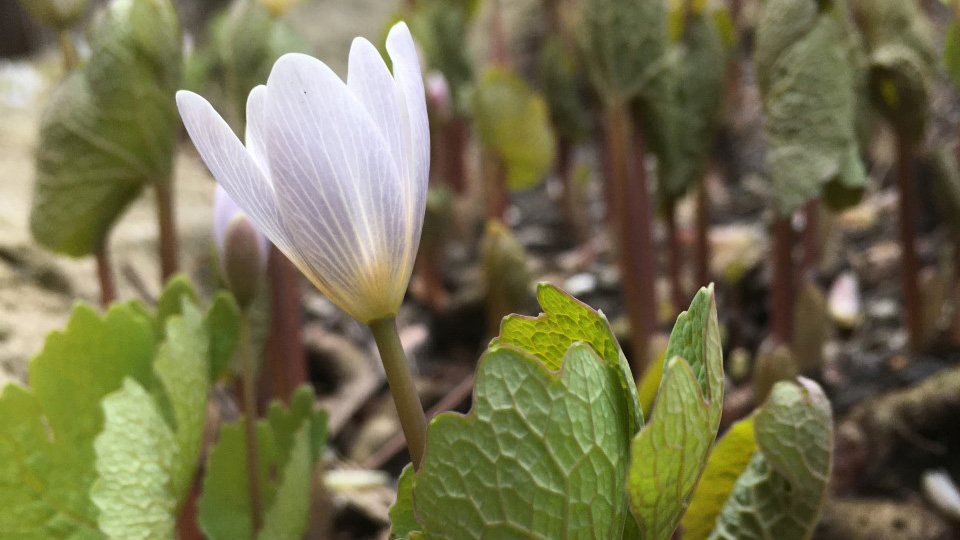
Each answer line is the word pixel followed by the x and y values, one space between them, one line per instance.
pixel 60 14
pixel 242 249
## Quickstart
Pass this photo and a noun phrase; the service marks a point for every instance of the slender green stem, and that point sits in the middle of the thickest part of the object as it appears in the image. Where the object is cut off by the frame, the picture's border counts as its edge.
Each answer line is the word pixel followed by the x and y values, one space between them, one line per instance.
pixel 250 421
pixel 409 409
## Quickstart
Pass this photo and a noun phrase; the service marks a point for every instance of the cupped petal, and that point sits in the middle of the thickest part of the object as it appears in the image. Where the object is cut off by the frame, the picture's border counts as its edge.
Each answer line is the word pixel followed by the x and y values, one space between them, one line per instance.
pixel 373 85
pixel 406 72
pixel 256 124
pixel 338 188
pixel 232 166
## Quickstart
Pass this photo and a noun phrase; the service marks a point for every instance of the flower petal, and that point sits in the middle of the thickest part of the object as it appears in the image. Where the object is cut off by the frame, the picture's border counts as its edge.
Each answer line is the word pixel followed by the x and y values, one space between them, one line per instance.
pixel 406 71
pixel 256 124
pixel 371 82
pixel 338 188
pixel 232 166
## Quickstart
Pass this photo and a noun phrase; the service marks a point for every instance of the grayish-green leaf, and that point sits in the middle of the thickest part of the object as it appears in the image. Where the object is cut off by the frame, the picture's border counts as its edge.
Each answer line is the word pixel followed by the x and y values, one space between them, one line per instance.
pixel 109 128
pixel 403 519
pixel 780 493
pixel 668 456
pixel 807 78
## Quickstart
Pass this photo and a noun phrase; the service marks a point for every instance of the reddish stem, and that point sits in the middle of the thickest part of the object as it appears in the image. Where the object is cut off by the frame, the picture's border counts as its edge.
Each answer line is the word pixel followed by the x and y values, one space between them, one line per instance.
pixel 633 215
pixel 781 294
pixel 456 162
pixel 498 52
pixel 908 232
pixel 286 356
pixel 495 182
pixel 574 210
pixel 675 256
pixel 702 260
pixel 168 229
pixel 108 291
pixel 811 239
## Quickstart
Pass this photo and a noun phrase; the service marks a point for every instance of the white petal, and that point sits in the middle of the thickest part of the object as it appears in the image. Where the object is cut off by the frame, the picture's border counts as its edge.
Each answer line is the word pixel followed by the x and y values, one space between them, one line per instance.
pixel 371 82
pixel 232 166
pixel 406 71
pixel 256 124
pixel 337 186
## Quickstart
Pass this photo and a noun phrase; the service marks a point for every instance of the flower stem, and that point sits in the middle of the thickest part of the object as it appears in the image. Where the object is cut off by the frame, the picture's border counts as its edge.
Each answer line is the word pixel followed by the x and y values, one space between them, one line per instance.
pixel 703 234
pixel 286 357
pixel 908 231
pixel 781 296
pixel 108 291
pixel 250 421
pixel 409 409
pixel 168 229
pixel 675 258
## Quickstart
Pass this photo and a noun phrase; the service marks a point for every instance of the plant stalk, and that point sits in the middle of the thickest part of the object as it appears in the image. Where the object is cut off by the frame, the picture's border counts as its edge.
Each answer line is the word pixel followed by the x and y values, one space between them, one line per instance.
pixel 168 229
pixel 811 239
pixel 68 51
pixel 675 256
pixel 250 421
pixel 286 356
pixel 574 210
pixel 402 386
pixel 908 232
pixel 702 261
pixel 495 183
pixel 781 294
pixel 633 215
pixel 108 291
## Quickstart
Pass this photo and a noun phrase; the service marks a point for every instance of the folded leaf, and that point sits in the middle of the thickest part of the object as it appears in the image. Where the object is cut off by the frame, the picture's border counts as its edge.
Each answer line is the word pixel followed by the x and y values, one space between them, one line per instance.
pixel 513 122
pixel 668 456
pixel 109 129
pixel 780 493
pixel 807 77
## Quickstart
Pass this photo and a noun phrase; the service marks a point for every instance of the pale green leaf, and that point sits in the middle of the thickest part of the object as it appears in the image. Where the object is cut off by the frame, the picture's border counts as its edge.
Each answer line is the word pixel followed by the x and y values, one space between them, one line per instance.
pixel 513 122
pixel 109 129
pixel 137 455
pixel 542 454
pixel 730 457
pixel 177 289
pixel 565 321
pixel 291 441
pixel 403 519
pixel 47 434
pixel 780 493
pixel 673 447
pixel 223 326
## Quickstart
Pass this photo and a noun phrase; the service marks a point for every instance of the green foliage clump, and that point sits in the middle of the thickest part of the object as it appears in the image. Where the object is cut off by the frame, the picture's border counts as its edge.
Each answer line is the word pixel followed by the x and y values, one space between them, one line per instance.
pixel 105 441
pixel 109 129
pixel 807 75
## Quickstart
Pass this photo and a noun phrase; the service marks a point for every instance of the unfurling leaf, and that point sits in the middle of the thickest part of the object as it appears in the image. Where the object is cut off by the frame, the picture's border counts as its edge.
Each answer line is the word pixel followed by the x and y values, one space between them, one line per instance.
pixel 507 280
pixel 780 492
pixel 513 122
pixel 624 43
pixel 291 441
pixel 807 77
pixel 673 447
pixel 109 129
pixel 544 451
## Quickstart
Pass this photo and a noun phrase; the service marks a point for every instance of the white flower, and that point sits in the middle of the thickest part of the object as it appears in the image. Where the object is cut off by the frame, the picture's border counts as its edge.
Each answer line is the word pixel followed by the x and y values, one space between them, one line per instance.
pixel 333 173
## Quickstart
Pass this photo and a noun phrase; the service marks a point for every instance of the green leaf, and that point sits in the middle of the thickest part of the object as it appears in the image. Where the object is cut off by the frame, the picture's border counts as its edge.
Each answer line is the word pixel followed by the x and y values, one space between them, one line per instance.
pixel 565 321
pixel 780 493
pixel 136 456
pixel 513 122
pixel 730 457
pixel 542 454
pixel 109 129
pixel 146 463
pixel 625 44
pixel 951 52
pixel 170 302
pixel 650 383
pixel 46 437
pixel 291 442
pixel 439 27
pixel 807 78
pixel 673 447
pixel 223 327
pixel 403 519
pixel 246 41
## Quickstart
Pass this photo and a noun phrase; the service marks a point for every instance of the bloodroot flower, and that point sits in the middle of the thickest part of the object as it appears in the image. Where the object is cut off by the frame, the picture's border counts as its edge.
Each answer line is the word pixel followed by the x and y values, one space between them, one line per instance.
pixel 334 173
